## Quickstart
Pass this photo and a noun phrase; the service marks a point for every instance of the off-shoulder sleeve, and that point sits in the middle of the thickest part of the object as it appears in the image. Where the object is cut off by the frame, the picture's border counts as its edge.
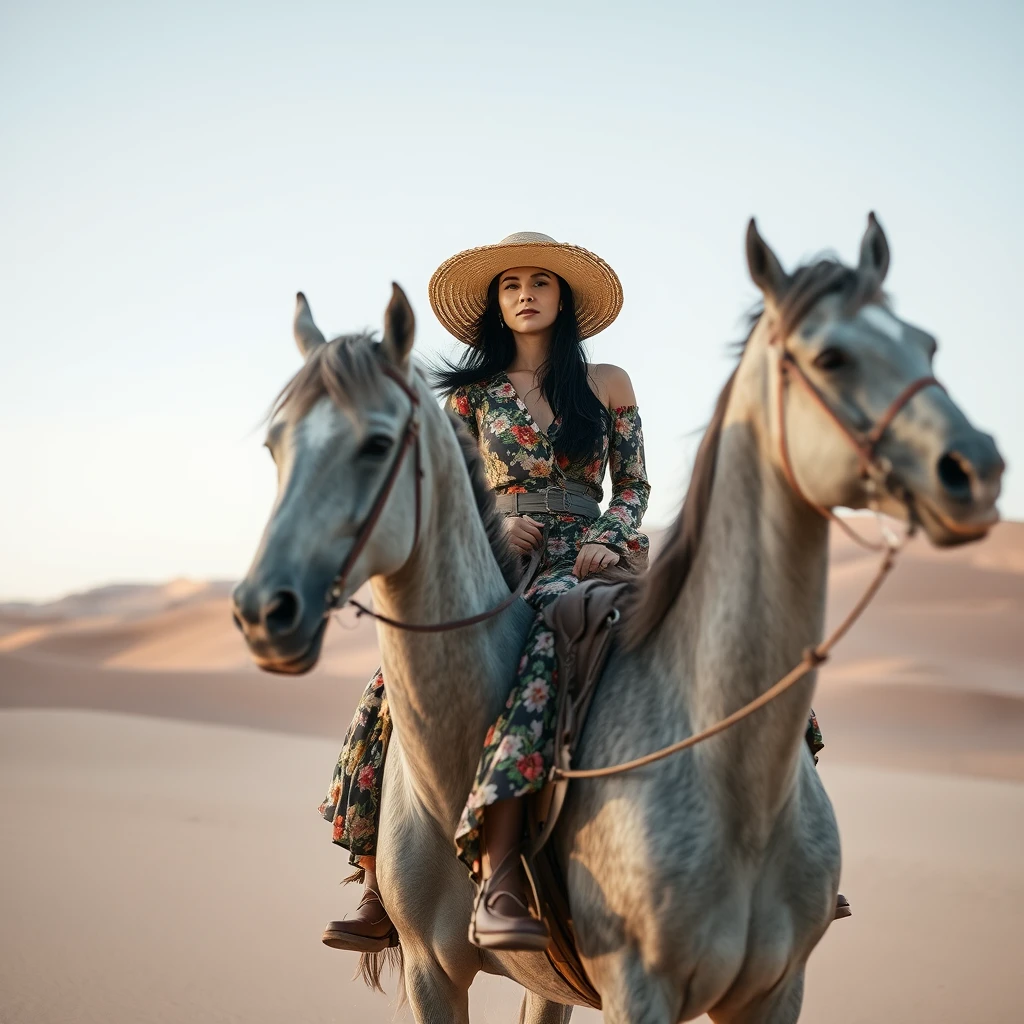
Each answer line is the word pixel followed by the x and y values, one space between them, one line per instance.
pixel 458 403
pixel 619 526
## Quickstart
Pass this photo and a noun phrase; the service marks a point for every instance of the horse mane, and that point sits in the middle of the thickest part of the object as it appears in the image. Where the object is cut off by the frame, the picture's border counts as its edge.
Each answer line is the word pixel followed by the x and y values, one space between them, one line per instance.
pixel 507 557
pixel 346 366
pixel 654 593
pixel 350 365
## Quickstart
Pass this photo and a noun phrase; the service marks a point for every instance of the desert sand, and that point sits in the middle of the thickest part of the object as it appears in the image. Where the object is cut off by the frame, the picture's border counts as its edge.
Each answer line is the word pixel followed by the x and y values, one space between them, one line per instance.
pixel 162 859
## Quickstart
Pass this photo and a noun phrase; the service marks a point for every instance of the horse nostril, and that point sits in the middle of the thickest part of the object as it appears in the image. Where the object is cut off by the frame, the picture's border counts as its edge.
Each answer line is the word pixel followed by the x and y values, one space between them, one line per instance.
pixel 245 609
pixel 954 474
pixel 282 612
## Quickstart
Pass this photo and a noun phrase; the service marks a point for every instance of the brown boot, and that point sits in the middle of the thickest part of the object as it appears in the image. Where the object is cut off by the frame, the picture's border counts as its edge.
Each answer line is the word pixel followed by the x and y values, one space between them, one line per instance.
pixel 502 918
pixel 369 930
pixel 843 908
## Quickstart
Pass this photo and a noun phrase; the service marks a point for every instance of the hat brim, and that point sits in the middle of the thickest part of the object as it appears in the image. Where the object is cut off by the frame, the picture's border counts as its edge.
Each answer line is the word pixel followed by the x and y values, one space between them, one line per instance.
pixel 458 288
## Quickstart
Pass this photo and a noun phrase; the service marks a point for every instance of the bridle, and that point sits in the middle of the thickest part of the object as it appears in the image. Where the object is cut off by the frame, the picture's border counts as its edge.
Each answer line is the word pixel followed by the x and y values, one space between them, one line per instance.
pixel 876 471
pixel 410 439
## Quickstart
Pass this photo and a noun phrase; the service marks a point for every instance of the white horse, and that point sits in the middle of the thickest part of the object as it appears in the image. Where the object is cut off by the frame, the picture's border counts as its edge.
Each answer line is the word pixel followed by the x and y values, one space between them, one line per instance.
pixel 700 883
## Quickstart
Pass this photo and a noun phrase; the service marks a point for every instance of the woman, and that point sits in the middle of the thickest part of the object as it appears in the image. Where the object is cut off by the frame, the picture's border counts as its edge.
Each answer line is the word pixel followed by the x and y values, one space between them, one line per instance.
pixel 548 424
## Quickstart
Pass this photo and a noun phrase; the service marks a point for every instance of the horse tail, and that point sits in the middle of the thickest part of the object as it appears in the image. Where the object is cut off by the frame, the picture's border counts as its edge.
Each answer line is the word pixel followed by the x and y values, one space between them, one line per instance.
pixel 373 965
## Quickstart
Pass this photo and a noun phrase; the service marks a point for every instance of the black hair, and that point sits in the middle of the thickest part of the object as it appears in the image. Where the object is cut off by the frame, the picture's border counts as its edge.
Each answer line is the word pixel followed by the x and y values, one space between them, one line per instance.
pixel 563 378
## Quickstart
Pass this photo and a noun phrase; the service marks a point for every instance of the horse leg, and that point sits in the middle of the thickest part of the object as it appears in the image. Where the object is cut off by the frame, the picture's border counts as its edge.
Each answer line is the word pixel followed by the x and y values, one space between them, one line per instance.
pixel 630 994
pixel 433 996
pixel 538 1010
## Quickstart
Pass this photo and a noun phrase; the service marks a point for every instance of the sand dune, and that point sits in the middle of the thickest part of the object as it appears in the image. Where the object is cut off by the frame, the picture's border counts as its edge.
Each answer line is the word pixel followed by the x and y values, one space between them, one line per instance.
pixel 168 865
pixel 128 599
pixel 932 677
pixel 164 628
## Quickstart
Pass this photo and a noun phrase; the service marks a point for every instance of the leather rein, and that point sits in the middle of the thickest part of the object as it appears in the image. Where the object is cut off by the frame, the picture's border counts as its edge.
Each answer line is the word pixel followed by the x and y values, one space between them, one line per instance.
pixel 876 471
pixel 410 439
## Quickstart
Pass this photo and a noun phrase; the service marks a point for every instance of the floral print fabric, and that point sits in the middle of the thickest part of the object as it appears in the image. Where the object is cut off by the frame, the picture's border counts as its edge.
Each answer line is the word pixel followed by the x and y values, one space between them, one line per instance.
pixel 519 458
pixel 519 747
pixel 353 801
pixel 813 735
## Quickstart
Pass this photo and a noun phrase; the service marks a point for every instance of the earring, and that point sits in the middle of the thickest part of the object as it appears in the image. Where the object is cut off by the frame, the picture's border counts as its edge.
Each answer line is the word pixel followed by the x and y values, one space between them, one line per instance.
pixel 559 307
pixel 501 320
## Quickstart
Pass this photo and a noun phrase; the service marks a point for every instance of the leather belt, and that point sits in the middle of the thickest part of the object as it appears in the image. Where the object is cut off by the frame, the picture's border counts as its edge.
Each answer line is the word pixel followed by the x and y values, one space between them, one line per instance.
pixel 558 500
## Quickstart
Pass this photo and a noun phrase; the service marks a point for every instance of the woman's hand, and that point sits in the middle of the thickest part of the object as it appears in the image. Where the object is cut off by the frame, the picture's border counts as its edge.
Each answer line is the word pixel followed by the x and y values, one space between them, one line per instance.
pixel 593 558
pixel 524 532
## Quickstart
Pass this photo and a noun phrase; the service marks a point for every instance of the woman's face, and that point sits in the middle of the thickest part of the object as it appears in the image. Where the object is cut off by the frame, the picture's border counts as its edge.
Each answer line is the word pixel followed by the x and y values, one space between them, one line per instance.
pixel 529 299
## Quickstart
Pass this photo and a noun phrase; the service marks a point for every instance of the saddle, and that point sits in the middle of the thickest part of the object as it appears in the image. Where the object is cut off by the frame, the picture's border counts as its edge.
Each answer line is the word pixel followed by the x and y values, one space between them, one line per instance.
pixel 584 622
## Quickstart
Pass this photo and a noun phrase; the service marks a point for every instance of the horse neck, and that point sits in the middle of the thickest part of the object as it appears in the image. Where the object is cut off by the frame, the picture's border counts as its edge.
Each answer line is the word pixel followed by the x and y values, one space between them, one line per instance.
pixel 444 689
pixel 755 600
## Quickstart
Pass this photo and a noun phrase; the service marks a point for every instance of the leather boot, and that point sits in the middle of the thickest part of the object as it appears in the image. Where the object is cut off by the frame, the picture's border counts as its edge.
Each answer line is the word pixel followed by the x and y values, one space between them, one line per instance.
pixel 502 918
pixel 369 930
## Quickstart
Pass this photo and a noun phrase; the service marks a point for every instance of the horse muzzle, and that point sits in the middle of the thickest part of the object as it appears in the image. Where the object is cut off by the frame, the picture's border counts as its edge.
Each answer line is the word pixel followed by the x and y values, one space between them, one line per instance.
pixel 958 503
pixel 283 632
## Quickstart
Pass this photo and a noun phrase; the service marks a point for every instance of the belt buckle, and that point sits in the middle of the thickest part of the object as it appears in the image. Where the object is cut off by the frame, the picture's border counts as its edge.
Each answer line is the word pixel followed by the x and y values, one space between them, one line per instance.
pixel 564 496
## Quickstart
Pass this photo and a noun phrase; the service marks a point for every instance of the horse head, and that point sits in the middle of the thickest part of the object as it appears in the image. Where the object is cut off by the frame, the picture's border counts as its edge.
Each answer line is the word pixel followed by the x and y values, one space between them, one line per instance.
pixel 855 417
pixel 343 435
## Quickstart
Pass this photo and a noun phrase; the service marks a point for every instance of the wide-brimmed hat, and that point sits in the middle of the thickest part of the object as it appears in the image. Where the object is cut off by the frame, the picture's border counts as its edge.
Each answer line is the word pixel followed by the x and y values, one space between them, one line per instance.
pixel 458 289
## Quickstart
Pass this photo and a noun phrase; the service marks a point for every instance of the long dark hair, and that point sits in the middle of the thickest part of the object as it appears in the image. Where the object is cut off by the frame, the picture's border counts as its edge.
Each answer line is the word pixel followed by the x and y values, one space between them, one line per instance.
pixel 563 380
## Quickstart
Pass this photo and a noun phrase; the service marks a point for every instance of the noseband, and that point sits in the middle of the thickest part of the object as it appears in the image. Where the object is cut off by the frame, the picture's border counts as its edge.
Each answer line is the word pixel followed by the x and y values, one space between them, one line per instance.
pixel 410 438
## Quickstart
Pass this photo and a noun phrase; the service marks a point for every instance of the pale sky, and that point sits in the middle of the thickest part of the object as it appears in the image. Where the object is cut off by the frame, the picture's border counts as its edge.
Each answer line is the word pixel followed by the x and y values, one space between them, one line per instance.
pixel 170 177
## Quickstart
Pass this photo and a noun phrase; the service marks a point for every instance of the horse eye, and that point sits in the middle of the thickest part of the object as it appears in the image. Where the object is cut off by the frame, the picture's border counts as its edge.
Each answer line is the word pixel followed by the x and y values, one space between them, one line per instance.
pixel 376 445
pixel 830 359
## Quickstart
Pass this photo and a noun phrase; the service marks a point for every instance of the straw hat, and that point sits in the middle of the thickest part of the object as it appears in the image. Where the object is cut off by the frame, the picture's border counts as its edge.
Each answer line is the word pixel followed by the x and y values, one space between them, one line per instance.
pixel 458 289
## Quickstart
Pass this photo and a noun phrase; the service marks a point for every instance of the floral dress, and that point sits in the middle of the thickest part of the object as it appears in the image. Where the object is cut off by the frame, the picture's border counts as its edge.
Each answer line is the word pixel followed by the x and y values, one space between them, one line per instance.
pixel 518 457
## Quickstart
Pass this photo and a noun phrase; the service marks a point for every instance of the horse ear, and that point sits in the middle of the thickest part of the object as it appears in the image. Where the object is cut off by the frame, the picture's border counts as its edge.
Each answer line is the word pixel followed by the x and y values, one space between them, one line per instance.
pixel 765 269
pixel 874 250
pixel 399 328
pixel 307 334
